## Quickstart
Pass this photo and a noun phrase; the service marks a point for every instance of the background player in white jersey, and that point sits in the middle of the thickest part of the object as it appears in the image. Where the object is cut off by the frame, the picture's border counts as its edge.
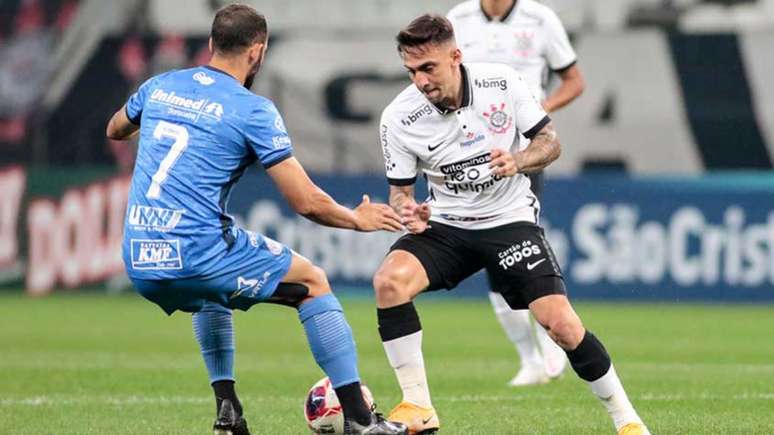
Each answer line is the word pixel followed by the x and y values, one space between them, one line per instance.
pixel 457 124
pixel 529 37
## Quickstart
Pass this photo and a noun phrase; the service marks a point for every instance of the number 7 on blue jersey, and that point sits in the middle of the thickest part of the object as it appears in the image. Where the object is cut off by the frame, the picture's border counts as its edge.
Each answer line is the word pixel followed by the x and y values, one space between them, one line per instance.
pixel 180 135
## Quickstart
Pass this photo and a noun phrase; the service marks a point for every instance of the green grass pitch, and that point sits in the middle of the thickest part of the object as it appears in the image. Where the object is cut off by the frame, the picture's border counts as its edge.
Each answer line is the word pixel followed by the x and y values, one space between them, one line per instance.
pixel 91 364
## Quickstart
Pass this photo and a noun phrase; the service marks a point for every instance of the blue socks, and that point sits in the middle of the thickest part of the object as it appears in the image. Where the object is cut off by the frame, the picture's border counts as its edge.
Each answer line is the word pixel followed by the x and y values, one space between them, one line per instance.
pixel 330 339
pixel 214 330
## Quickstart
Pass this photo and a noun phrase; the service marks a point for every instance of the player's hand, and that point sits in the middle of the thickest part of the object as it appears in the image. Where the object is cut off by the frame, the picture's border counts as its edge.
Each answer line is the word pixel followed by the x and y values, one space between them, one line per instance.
pixel 375 217
pixel 503 163
pixel 415 216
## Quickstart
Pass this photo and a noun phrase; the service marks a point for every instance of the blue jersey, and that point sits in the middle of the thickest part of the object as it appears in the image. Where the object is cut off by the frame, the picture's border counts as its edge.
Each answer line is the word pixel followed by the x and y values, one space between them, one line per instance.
pixel 200 130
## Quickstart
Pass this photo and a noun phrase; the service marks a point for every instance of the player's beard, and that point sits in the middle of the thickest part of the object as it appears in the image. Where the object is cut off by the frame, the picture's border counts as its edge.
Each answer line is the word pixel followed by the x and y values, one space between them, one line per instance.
pixel 253 72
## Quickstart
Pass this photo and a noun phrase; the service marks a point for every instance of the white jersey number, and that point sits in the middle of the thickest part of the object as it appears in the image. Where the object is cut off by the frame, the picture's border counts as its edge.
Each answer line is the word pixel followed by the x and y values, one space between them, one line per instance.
pixel 180 135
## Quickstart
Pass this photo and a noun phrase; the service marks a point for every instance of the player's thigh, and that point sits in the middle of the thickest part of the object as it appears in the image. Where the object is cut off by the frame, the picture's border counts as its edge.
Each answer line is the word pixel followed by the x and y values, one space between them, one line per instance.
pixel 520 263
pixel 438 258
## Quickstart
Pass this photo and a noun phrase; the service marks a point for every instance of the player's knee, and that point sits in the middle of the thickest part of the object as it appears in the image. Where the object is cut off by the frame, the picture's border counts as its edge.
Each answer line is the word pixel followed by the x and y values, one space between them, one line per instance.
pixel 566 330
pixel 317 281
pixel 390 283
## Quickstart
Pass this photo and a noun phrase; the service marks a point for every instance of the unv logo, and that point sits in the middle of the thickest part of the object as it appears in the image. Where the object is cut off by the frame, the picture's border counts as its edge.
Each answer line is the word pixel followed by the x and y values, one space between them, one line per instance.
pixel 142 217
pixel 518 252
pixel 203 78
pixel 250 287
pixel 156 254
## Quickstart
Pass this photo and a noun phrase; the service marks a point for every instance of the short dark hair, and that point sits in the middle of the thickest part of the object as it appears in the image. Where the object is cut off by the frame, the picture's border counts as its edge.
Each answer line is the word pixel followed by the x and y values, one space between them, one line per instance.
pixel 425 29
pixel 236 27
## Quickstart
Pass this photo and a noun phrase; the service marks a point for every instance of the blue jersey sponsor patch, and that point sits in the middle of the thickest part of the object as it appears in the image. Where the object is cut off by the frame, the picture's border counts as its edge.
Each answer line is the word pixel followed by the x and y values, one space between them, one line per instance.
pixel 149 254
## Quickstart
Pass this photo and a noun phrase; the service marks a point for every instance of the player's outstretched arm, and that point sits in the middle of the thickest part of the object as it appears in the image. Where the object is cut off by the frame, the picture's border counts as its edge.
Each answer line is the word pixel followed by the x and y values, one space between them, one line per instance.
pixel 119 127
pixel 308 200
pixel 543 150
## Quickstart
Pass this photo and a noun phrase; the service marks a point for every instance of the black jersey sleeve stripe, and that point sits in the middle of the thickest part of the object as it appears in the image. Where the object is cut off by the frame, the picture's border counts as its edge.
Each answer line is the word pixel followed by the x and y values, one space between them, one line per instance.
pixel 135 121
pixel 280 159
pixel 401 181
pixel 565 68
pixel 529 134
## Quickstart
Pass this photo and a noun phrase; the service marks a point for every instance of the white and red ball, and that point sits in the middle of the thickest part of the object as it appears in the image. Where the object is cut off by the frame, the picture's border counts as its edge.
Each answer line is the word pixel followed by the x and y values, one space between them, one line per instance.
pixel 322 409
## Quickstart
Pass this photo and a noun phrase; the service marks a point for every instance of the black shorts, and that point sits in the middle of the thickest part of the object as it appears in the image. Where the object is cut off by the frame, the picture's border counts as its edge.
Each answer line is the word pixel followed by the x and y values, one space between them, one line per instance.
pixel 519 261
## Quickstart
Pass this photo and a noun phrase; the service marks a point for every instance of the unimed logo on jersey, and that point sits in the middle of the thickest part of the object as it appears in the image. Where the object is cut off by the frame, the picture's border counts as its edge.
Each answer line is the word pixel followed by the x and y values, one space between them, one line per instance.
pixel 187 107
pixel 416 114
pixel 156 254
pixel 492 83
pixel 145 218
pixel 171 98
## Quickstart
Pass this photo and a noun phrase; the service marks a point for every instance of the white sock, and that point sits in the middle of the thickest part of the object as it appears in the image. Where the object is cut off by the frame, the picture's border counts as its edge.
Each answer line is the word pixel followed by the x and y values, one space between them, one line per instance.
pixel 610 391
pixel 405 357
pixel 518 328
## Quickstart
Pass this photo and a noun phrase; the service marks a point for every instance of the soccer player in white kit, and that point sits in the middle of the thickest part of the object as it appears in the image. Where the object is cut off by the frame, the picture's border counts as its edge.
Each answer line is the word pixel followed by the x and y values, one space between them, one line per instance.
pixel 529 37
pixel 458 123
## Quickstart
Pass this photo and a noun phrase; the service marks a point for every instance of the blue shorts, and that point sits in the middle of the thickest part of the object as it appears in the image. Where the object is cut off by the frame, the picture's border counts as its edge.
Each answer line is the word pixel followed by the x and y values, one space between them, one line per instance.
pixel 247 274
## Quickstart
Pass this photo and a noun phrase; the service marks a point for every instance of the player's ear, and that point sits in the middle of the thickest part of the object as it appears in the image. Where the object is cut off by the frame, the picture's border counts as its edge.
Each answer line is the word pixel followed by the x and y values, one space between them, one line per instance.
pixel 210 46
pixel 456 56
pixel 255 51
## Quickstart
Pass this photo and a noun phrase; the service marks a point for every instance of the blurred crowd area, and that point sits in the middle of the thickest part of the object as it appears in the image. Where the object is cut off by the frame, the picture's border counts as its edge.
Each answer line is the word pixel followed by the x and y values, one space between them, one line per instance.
pixel 68 64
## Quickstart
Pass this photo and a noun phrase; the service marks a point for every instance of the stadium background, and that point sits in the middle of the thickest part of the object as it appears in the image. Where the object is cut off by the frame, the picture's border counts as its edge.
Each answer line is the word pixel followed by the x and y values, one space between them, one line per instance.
pixel 664 192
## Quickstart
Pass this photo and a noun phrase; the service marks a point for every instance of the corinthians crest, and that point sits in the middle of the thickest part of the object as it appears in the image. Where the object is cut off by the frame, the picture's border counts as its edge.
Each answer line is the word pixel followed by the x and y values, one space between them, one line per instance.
pixel 499 120
pixel 524 43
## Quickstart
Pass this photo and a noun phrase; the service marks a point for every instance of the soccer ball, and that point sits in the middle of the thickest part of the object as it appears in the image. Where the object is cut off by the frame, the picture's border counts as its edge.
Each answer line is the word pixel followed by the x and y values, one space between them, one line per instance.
pixel 322 410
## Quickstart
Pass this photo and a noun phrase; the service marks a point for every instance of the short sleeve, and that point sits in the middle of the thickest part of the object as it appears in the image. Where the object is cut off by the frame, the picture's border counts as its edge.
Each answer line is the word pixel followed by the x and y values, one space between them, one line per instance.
pixel 399 164
pixel 559 51
pixel 530 116
pixel 267 136
pixel 136 102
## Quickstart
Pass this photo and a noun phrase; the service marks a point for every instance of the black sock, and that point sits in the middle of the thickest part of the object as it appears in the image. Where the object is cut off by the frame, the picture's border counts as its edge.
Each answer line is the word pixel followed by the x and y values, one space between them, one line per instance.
pixel 398 321
pixel 352 403
pixel 225 390
pixel 590 359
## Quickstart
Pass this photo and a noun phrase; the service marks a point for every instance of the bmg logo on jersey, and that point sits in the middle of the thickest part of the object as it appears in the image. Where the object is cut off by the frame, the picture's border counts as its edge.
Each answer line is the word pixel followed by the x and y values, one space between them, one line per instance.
pixel 492 83
pixel 518 252
pixel 145 218
pixel 416 114
pixel 156 254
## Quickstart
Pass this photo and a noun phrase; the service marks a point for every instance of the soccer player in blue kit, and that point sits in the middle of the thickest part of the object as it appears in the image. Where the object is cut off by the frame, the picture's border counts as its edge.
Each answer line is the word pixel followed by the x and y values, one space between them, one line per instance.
pixel 199 129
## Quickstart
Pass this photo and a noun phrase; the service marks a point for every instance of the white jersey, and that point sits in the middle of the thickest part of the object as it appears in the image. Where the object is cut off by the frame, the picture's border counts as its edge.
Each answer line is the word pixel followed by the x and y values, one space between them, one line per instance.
pixel 529 37
pixel 452 149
